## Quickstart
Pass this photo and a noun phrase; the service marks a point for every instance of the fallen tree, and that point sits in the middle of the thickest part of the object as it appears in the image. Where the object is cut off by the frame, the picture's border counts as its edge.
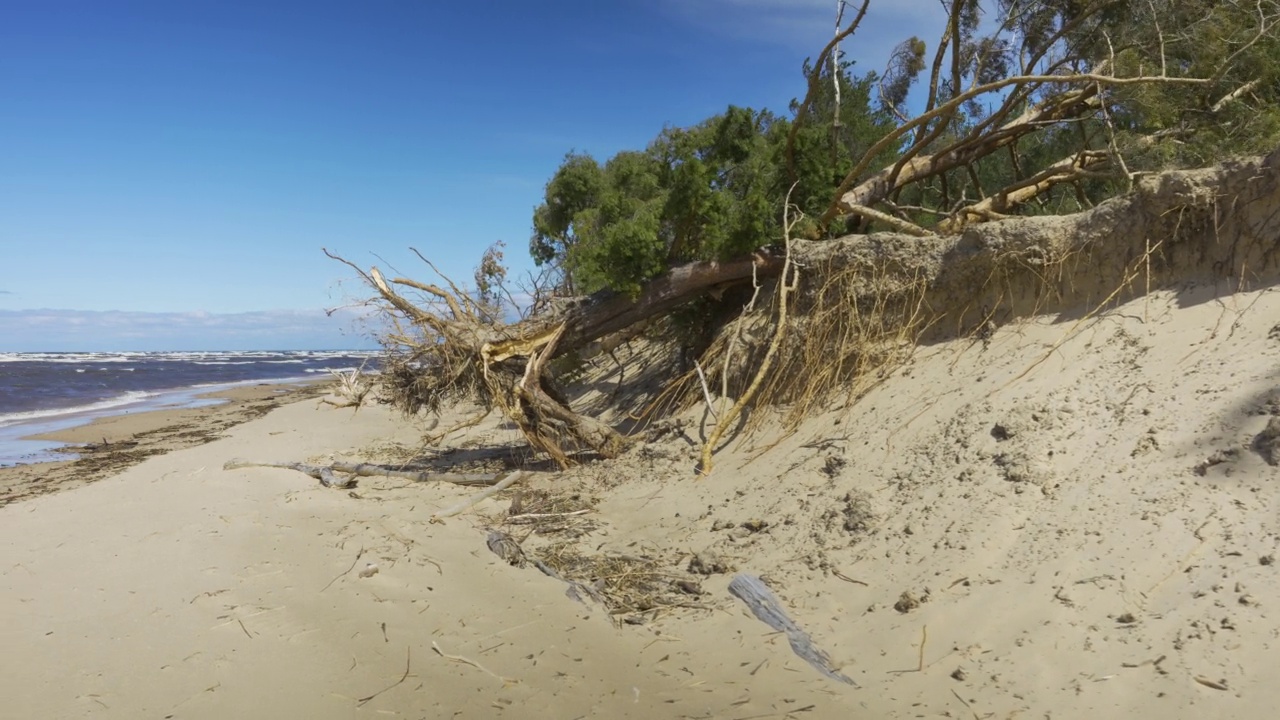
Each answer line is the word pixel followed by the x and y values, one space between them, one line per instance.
pixel 451 349
pixel 1212 224
pixel 1070 125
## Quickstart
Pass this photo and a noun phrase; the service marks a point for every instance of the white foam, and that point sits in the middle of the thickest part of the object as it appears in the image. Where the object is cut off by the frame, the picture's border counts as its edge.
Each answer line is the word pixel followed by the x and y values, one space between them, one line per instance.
pixel 290 356
pixel 129 398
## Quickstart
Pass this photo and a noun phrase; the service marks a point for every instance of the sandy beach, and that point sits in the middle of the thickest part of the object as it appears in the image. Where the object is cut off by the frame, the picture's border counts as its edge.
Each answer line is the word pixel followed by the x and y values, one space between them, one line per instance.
pixel 106 445
pixel 1076 517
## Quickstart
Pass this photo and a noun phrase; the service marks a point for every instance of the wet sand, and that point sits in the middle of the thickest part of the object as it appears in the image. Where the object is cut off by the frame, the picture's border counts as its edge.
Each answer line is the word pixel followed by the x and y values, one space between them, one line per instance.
pixel 110 444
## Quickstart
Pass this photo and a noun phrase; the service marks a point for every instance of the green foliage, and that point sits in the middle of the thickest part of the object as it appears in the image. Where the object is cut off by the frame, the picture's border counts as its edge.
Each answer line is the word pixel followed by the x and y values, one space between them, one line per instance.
pixel 490 277
pixel 1148 126
pixel 904 67
pixel 716 189
pixel 1237 113
pixel 711 191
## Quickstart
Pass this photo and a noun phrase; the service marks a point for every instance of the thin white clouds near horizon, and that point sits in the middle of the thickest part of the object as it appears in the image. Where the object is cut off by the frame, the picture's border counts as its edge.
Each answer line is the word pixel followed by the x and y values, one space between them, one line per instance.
pixel 807 25
pixel 49 330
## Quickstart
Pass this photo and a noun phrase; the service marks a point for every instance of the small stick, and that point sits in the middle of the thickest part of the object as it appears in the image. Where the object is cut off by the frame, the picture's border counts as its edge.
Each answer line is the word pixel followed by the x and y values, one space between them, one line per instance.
pixel 846 578
pixel 344 572
pixel 1144 663
pixel 924 638
pixel 975 713
pixel 455 509
pixel 706 391
pixel 363 700
pixel 543 516
pixel 472 663
pixel 245 629
pixel 1211 683
pixel 366 470
pixel 439 570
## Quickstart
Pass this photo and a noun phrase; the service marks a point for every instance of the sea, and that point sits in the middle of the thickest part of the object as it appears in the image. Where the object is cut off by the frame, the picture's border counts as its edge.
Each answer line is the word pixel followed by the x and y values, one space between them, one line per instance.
pixel 45 392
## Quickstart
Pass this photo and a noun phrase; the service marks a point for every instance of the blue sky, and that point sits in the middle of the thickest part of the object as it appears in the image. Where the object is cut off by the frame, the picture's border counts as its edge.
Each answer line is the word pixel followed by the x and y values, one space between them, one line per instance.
pixel 168 168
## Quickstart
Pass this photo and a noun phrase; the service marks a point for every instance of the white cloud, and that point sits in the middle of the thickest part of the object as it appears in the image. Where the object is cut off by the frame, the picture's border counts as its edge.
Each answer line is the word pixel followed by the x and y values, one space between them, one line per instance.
pixel 807 25
pixel 83 330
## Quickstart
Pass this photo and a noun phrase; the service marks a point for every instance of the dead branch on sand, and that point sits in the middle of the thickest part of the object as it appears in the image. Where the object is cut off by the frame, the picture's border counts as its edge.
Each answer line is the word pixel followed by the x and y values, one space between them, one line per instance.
pixel 452 510
pixel 325 473
pixel 352 388
pixel 766 607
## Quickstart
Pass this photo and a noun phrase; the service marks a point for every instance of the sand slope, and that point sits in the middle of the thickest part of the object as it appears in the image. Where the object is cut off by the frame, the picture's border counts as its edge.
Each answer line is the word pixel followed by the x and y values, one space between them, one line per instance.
pixel 1052 513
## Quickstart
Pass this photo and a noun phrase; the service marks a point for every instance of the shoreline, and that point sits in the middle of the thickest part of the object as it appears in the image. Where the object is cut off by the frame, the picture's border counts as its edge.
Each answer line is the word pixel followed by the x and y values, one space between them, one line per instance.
pixel 990 532
pixel 83 453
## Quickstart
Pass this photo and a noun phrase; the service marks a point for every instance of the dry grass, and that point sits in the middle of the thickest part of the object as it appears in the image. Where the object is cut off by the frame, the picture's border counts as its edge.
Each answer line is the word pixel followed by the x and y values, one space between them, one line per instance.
pixel 625 584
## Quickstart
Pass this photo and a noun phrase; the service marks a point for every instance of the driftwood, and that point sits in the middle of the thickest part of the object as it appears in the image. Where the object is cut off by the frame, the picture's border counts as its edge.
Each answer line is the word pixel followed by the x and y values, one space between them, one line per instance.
pixel 765 606
pixel 506 547
pixel 506 481
pixel 326 473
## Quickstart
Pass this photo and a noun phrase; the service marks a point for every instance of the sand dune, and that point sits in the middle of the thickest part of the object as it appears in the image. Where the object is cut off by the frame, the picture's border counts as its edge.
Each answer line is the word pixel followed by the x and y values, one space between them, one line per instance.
pixel 1072 519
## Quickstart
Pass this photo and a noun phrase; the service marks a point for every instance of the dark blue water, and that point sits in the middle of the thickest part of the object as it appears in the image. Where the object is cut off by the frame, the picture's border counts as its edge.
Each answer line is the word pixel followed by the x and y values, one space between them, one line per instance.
pixel 40 392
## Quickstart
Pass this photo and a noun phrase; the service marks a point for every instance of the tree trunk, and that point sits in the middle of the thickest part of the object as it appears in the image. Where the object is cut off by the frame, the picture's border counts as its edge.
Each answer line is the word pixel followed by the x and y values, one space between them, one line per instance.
pixel 606 313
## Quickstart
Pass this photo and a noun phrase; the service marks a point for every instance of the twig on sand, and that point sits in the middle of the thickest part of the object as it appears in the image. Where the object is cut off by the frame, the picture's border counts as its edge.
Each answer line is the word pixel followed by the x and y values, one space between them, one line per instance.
pixel 967 706
pixel 452 510
pixel 245 629
pixel 1216 685
pixel 848 579
pixel 472 663
pixel 325 473
pixel 516 519
pixel 407 655
pixel 783 714
pixel 924 638
pixel 1144 663
pixel 762 603
pixel 344 572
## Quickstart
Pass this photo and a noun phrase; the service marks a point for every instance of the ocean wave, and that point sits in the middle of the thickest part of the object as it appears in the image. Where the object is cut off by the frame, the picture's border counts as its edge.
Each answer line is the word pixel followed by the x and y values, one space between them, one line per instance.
pixel 217 386
pixel 68 358
pixel 129 398
pixel 198 357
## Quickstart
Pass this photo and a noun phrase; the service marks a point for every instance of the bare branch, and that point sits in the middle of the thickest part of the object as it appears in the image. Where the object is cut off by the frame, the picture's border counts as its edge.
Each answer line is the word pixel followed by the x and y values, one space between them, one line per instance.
pixel 998 205
pixel 886 180
pixel 814 76
pixel 893 222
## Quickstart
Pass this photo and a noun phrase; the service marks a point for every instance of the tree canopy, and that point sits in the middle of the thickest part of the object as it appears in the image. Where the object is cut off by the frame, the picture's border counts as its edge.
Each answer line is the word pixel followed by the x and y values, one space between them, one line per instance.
pixel 1037 107
pixel 711 191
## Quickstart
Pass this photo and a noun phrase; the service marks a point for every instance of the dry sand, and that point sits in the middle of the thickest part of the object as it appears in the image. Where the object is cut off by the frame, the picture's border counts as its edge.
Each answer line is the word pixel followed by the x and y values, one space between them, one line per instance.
pixel 1075 518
